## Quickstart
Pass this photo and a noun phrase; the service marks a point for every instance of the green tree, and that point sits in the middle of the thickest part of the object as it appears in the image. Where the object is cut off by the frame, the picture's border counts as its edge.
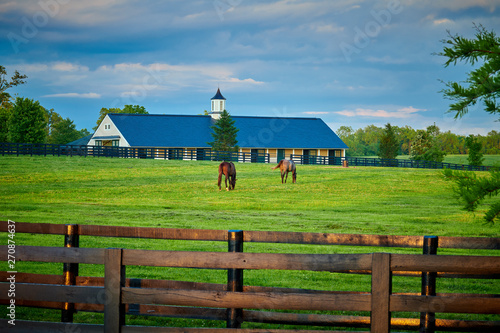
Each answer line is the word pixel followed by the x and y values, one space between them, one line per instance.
pixel 27 122
pixel 4 124
pixel 64 131
pixel 483 83
pixel 136 109
pixel 425 147
pixel 475 150
pixel 389 144
pixel 52 118
pixel 224 134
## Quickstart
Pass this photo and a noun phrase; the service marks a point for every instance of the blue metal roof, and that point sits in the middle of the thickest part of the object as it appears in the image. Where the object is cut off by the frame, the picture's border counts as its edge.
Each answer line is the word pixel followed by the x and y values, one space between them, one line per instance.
pixel 153 130
pixel 284 132
pixel 254 132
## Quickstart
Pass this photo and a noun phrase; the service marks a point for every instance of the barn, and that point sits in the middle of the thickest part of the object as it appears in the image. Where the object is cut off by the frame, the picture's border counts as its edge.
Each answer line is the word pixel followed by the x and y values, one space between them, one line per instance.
pixel 277 136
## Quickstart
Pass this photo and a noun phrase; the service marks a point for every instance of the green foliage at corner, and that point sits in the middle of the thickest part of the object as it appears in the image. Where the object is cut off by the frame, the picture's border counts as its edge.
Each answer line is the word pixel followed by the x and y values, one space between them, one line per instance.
pixel 482 83
pixel 389 144
pixel 472 190
pixel 224 134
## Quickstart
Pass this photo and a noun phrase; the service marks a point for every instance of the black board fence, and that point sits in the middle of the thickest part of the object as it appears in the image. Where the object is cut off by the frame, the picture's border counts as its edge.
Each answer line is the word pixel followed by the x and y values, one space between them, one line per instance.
pixel 40 149
pixel 36 149
pixel 379 162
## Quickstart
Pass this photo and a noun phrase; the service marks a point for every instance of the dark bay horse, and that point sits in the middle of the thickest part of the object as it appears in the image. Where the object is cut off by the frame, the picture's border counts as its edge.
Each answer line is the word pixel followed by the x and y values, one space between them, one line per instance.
pixel 229 171
pixel 287 166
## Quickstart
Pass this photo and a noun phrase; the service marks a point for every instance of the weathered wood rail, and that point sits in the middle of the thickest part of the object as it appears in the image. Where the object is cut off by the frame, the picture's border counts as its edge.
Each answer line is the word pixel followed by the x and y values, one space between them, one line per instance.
pixel 116 295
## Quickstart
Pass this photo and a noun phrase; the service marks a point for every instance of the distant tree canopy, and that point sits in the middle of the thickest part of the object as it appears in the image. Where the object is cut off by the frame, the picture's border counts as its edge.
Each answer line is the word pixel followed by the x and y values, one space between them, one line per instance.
pixel 136 109
pixel 224 134
pixel 366 141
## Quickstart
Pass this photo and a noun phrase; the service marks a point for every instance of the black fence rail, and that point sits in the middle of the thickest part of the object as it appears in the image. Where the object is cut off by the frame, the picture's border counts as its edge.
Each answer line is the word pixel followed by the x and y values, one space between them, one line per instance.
pixel 379 162
pixel 130 152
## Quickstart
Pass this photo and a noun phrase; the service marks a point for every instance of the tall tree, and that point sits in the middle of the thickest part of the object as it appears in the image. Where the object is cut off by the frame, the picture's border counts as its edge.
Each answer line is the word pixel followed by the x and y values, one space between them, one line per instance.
pixel 136 109
pixel 389 144
pixel 224 134
pixel 6 83
pixel 6 99
pixel 27 122
pixel 483 84
pixel 475 150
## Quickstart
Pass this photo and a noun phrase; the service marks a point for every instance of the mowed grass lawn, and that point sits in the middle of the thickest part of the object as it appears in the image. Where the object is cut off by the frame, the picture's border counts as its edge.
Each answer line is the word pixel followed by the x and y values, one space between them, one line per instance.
pixel 184 194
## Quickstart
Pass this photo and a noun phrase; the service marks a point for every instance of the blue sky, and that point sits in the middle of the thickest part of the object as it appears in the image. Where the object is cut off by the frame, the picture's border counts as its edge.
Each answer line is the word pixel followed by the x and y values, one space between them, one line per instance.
pixel 351 63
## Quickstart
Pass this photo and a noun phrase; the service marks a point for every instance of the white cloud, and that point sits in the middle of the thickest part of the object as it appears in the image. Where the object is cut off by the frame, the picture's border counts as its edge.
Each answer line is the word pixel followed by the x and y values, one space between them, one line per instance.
pixel 68 67
pixel 403 112
pixel 75 95
pixel 316 112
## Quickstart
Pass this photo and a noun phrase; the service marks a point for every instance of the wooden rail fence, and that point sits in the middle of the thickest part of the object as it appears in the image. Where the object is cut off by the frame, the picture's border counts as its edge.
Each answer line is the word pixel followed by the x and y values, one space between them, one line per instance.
pixel 117 295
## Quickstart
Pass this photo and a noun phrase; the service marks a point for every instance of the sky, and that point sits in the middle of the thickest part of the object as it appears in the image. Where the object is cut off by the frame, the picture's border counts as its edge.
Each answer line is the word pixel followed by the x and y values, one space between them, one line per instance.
pixel 349 62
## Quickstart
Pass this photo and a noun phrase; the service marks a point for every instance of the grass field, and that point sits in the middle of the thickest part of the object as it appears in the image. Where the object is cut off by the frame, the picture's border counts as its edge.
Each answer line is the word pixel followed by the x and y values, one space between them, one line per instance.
pixel 183 194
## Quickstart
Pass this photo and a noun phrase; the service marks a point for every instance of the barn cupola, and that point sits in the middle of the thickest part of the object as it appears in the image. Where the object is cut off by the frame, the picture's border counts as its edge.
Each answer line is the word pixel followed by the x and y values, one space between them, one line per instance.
pixel 218 105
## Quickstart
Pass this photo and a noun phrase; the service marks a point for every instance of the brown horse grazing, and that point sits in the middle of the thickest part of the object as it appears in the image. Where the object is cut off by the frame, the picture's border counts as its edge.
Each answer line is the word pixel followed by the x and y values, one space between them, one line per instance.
pixel 229 171
pixel 287 166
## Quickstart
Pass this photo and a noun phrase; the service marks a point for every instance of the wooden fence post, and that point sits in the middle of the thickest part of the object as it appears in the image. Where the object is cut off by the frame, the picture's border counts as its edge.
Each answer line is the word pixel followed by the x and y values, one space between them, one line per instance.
pixel 428 319
pixel 380 317
pixel 70 270
pixel 235 278
pixel 114 280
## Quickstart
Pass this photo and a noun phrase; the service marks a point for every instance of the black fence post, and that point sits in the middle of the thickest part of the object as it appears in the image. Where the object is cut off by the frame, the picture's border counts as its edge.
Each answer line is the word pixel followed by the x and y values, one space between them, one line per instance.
pixel 70 270
pixel 235 278
pixel 428 319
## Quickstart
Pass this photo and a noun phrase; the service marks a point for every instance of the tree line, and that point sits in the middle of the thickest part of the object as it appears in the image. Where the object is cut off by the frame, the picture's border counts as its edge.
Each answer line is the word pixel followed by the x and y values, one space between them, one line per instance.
pixel 367 141
pixel 25 120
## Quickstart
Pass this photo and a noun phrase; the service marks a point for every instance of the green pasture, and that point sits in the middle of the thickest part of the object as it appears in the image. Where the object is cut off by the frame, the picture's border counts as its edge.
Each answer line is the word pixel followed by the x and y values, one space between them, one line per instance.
pixel 184 194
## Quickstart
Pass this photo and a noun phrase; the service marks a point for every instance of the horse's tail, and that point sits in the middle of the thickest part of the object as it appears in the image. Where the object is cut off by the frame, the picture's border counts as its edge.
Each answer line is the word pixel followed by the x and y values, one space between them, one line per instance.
pixel 278 166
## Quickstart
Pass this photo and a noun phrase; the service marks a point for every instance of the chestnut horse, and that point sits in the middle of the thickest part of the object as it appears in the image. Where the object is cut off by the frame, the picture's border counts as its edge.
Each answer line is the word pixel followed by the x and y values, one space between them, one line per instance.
pixel 229 171
pixel 287 166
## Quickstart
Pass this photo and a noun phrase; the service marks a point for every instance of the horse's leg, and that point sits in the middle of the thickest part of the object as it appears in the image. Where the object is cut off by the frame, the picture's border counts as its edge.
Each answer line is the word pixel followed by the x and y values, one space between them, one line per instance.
pixel 282 176
pixel 286 176
pixel 226 177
